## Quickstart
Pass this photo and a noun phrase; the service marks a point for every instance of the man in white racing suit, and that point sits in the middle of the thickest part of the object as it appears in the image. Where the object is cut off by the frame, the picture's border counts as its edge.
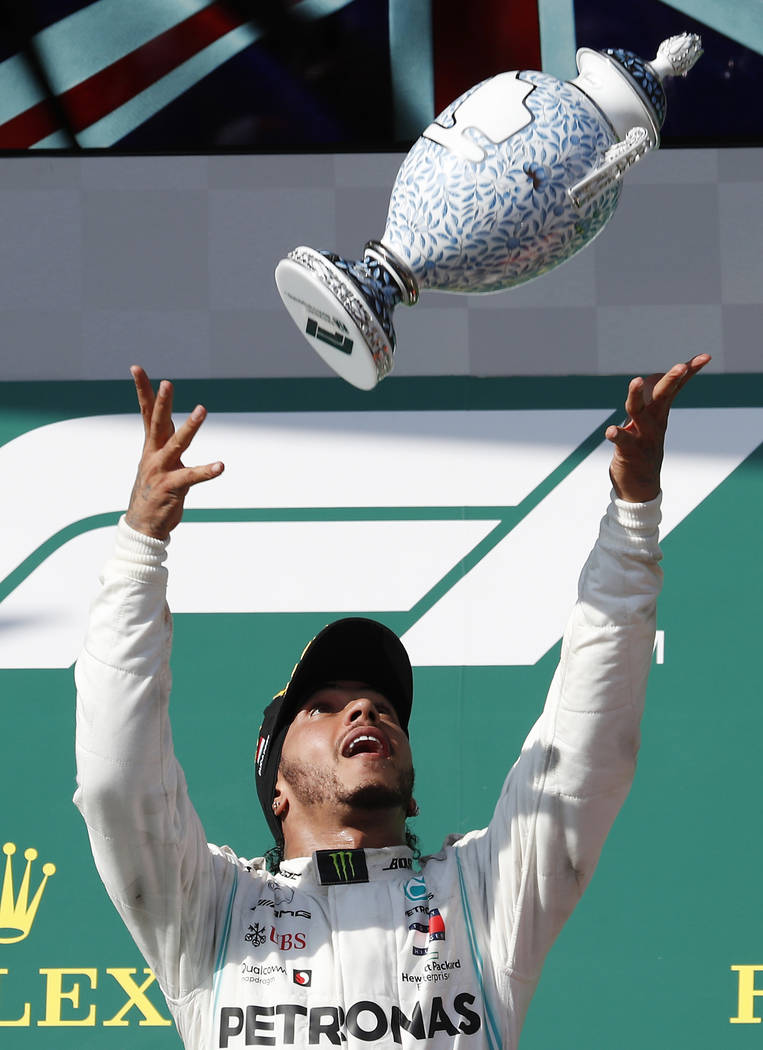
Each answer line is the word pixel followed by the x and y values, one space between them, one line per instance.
pixel 352 940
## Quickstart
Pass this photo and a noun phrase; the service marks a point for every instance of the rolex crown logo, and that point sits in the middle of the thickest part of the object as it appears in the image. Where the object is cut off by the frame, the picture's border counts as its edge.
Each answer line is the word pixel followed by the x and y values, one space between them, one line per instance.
pixel 17 913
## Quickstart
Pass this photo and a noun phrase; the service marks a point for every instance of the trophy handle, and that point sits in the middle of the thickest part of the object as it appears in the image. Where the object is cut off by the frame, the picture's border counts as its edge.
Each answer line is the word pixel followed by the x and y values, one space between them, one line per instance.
pixel 617 159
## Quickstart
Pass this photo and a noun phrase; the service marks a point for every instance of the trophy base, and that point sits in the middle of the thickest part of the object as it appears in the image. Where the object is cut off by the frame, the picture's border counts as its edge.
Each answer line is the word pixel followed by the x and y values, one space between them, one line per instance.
pixel 333 315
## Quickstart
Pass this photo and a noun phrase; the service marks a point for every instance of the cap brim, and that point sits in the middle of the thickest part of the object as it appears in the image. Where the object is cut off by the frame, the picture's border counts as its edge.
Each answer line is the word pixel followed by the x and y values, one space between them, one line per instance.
pixel 359 650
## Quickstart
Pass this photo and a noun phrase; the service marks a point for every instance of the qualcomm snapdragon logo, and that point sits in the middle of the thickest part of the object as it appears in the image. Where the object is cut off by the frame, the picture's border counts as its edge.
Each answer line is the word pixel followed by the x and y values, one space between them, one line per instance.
pixel 444 520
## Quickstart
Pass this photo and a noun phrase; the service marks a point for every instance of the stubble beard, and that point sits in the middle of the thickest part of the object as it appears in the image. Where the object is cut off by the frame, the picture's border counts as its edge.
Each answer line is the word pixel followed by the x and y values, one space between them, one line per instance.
pixel 318 787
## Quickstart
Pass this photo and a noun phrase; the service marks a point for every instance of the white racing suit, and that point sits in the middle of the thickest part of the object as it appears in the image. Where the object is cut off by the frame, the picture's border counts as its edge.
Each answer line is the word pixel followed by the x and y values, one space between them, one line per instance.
pixel 445 956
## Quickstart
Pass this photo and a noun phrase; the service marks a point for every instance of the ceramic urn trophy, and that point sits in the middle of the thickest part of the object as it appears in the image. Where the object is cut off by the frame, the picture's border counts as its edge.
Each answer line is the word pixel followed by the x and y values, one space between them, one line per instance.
pixel 512 179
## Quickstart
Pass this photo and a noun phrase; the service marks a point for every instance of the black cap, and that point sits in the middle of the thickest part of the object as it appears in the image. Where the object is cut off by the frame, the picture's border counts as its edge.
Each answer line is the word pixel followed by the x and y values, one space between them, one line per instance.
pixel 354 649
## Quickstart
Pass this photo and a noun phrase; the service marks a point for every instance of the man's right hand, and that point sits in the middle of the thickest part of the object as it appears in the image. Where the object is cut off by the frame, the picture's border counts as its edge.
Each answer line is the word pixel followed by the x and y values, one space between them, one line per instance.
pixel 162 482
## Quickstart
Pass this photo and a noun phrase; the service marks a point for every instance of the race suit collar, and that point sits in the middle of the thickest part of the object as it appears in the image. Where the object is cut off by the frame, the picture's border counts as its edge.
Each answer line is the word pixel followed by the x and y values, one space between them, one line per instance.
pixel 345 867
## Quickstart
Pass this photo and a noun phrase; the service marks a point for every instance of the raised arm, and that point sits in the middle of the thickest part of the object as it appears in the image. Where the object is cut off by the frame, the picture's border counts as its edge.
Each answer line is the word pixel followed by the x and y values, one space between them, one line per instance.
pixel 162 481
pixel 531 865
pixel 640 441
pixel 146 838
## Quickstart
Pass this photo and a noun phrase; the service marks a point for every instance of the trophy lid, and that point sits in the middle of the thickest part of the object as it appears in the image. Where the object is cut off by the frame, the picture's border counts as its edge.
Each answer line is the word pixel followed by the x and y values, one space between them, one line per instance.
pixel 675 57
pixel 648 84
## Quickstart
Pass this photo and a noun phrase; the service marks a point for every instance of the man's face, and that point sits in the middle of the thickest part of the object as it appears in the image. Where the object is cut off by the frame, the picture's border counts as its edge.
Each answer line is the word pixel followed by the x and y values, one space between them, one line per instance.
pixel 346 748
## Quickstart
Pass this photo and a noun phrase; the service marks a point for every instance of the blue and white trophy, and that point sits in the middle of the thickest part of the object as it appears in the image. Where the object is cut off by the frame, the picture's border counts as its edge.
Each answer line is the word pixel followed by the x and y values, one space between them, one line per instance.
pixel 512 179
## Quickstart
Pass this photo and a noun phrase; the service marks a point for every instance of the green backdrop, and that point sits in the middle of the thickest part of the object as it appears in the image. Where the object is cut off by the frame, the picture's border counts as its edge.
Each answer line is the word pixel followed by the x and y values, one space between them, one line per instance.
pixel 650 957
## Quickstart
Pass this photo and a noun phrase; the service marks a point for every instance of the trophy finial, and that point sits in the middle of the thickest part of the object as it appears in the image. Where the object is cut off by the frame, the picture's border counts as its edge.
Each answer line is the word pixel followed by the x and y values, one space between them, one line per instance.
pixel 676 55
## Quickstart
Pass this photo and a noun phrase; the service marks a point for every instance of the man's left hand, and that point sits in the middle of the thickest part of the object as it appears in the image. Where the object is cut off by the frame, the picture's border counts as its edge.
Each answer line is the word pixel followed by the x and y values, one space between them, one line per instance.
pixel 639 443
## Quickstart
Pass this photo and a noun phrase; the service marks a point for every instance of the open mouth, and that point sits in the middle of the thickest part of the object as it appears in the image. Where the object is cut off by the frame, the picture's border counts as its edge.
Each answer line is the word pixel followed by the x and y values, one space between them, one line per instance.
pixel 365 742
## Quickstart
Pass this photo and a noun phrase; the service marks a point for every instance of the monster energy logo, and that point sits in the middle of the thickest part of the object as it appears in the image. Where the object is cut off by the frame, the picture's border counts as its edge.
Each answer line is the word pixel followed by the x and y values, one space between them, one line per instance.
pixel 341 866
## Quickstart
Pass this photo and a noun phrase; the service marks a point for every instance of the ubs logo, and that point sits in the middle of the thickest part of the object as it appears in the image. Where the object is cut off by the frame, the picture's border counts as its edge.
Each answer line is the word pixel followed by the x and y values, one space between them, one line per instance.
pixel 289 941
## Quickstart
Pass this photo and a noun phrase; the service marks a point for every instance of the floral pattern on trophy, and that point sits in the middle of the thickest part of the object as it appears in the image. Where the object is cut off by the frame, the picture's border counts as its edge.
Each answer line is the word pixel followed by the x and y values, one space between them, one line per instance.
pixel 377 285
pixel 643 75
pixel 507 218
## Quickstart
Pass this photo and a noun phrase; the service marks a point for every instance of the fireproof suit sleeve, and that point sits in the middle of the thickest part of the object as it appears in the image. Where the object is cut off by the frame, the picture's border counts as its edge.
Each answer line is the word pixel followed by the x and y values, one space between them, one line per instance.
pixel 524 874
pixel 146 837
